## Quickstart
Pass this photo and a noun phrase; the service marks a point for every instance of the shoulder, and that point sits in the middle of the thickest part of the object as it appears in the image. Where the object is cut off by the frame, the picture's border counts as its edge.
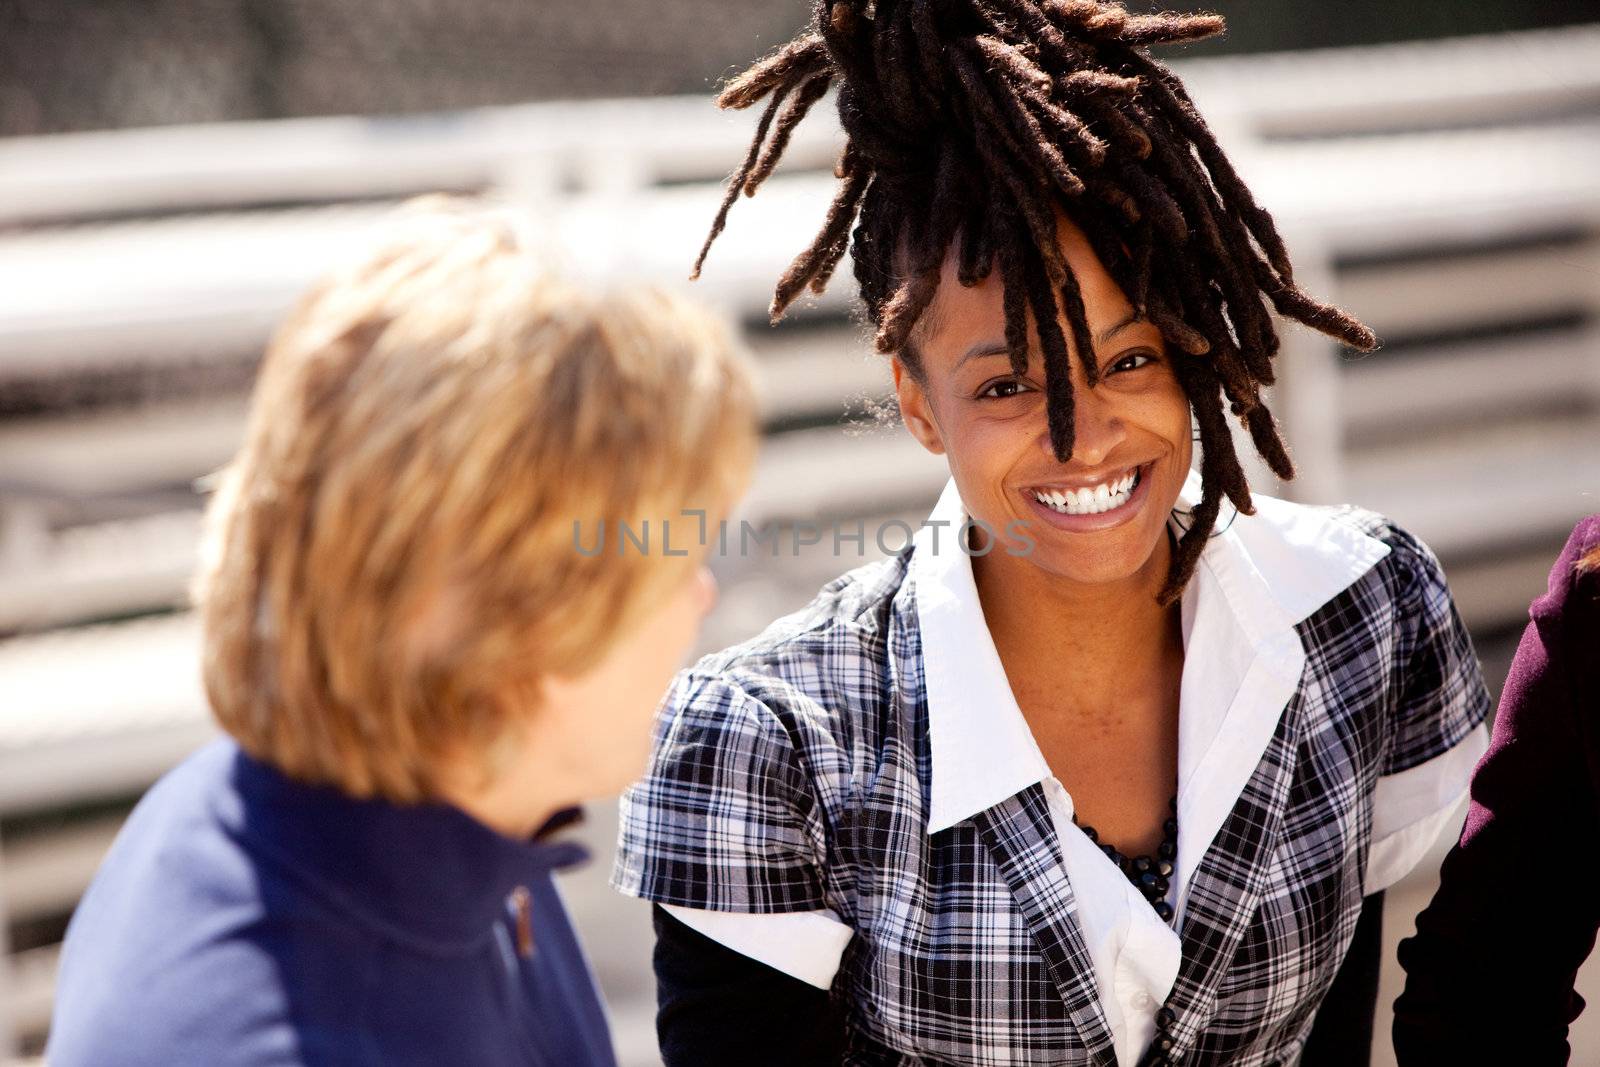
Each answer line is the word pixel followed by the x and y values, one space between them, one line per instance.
pixel 754 754
pixel 1409 568
pixel 1585 535
pixel 855 608
pixel 174 852
pixel 1320 556
pixel 1572 596
pixel 781 722
pixel 1569 576
pixel 794 671
pixel 176 952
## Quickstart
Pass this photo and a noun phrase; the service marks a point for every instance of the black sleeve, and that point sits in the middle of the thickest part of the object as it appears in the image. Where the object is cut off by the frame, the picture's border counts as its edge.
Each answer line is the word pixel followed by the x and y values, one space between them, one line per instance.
pixel 1341 1036
pixel 715 1006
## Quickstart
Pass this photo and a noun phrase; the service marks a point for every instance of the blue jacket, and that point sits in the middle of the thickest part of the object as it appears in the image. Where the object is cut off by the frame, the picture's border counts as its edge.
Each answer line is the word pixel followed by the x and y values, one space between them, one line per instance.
pixel 245 919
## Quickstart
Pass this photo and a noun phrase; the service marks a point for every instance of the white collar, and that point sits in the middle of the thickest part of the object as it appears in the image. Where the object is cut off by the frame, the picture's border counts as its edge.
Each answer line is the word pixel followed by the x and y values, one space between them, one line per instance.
pixel 1259 576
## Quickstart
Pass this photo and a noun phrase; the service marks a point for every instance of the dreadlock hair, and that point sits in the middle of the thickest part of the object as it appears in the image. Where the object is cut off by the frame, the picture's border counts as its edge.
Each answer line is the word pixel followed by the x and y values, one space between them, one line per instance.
pixel 969 124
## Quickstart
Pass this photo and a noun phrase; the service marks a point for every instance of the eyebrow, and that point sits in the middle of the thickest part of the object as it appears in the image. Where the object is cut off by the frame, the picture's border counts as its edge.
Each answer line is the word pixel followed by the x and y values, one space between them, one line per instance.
pixel 1000 348
pixel 984 348
pixel 1105 335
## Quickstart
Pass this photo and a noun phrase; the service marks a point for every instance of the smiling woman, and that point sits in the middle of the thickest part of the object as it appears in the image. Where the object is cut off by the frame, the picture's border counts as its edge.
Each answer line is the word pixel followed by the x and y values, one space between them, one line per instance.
pixel 1103 779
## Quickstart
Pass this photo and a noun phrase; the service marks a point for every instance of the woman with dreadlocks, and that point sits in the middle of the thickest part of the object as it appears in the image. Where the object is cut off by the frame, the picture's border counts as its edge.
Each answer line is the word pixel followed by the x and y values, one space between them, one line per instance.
pixel 1101 768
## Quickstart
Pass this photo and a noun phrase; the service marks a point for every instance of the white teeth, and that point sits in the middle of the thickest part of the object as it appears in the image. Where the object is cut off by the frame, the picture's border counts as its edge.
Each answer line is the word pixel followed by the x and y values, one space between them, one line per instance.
pixel 1090 501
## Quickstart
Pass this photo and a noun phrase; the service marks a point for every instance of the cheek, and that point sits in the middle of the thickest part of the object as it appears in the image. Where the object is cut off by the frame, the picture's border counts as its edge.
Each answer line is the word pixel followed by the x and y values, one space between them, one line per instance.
pixel 984 459
pixel 1181 432
pixel 669 638
pixel 638 671
pixel 1173 421
pixel 1165 413
pixel 990 437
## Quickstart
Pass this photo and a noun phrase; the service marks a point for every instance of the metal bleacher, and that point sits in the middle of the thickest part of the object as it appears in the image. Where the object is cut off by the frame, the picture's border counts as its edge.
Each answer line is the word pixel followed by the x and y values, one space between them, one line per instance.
pixel 1447 192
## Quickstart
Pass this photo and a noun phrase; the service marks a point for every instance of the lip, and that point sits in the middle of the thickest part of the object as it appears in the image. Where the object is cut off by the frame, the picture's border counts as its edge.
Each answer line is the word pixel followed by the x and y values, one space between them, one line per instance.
pixel 1089 483
pixel 1104 520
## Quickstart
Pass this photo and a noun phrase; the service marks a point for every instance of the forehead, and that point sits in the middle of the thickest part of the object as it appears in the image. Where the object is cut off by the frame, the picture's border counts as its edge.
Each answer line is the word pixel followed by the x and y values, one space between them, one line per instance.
pixel 959 316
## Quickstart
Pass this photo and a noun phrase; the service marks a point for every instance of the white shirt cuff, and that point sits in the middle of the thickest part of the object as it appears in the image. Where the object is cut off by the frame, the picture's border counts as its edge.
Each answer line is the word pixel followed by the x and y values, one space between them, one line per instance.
pixel 807 945
pixel 1410 809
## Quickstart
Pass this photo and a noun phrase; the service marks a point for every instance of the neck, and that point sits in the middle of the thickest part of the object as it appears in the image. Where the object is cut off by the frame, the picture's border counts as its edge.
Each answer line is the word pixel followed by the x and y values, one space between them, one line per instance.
pixel 1099 634
pixel 513 803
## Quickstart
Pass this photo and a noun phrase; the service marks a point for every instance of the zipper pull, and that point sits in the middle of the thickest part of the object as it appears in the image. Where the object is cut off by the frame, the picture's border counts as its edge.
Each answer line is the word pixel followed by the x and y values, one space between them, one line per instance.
pixel 522 901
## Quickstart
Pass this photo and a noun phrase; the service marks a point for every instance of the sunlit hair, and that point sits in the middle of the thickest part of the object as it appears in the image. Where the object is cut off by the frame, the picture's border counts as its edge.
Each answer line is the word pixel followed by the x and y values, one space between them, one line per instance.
pixel 391 560
pixel 969 125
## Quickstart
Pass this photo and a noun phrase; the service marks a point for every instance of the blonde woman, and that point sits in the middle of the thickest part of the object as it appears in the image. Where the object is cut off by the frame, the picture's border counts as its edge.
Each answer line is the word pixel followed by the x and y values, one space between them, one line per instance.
pixel 420 673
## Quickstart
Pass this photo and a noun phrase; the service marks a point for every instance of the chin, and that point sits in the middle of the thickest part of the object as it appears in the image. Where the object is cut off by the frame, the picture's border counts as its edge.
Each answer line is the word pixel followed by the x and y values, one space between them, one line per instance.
pixel 630 770
pixel 1099 558
pixel 1074 568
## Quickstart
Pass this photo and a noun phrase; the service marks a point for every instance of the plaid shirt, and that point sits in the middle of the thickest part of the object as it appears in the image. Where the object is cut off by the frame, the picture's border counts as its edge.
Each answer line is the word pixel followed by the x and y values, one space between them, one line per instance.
pixel 797 773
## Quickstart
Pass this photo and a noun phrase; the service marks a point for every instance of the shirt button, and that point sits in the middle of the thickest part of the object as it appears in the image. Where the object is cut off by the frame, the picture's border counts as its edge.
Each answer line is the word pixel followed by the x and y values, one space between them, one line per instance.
pixel 1144 1001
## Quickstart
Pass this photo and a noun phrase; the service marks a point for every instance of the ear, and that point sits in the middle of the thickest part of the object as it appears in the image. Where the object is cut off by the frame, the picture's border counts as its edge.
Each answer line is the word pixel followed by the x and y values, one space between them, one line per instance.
pixel 915 411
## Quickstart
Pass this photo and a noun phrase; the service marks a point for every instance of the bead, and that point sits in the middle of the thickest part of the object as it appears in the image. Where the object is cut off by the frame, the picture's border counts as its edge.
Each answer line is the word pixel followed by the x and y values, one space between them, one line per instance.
pixel 1150 874
pixel 1164 1043
pixel 1165 1018
pixel 1164 910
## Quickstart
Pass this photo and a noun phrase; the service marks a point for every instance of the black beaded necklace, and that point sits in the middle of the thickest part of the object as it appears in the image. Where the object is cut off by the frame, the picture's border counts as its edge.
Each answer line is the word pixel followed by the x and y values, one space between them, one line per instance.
pixel 1149 874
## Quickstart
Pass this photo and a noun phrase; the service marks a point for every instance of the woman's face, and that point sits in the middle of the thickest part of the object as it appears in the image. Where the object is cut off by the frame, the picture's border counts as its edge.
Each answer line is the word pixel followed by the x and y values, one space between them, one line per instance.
pixel 598 724
pixel 1101 516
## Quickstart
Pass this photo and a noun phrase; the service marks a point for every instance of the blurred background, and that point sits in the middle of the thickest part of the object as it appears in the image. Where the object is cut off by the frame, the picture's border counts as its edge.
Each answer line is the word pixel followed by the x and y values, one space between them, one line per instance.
pixel 174 172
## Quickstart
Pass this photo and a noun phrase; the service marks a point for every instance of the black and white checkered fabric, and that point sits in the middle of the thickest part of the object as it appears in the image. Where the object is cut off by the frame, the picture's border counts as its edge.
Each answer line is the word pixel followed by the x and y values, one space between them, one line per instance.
pixel 791 773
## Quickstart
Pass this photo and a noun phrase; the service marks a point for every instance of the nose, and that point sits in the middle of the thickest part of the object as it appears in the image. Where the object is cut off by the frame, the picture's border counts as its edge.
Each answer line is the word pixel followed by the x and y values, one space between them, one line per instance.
pixel 1097 426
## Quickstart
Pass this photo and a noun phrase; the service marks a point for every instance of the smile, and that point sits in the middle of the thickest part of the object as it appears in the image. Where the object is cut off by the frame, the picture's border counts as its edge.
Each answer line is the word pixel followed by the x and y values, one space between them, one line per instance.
pixel 1090 500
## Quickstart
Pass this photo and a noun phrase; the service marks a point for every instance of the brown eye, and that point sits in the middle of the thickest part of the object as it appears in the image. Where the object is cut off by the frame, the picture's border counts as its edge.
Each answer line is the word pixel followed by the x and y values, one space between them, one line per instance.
pixel 1003 389
pixel 1133 361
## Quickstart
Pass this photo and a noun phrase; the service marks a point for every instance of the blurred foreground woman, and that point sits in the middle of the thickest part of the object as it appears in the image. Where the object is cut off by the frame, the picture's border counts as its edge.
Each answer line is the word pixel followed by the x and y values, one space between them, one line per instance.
pixel 1489 974
pixel 1107 764
pixel 422 670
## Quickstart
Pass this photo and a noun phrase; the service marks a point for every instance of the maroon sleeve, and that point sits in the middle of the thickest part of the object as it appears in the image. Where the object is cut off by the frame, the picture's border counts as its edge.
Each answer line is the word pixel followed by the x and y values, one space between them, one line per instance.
pixel 1489 973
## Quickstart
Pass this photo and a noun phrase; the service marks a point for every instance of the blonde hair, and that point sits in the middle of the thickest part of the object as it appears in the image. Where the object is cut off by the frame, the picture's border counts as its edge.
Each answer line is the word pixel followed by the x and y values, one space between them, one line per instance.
pixel 394 549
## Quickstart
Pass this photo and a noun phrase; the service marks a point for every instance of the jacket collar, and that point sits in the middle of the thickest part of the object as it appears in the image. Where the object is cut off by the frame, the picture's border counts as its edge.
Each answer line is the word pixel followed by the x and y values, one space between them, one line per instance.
pixel 1259 576
pixel 982 749
pixel 428 875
